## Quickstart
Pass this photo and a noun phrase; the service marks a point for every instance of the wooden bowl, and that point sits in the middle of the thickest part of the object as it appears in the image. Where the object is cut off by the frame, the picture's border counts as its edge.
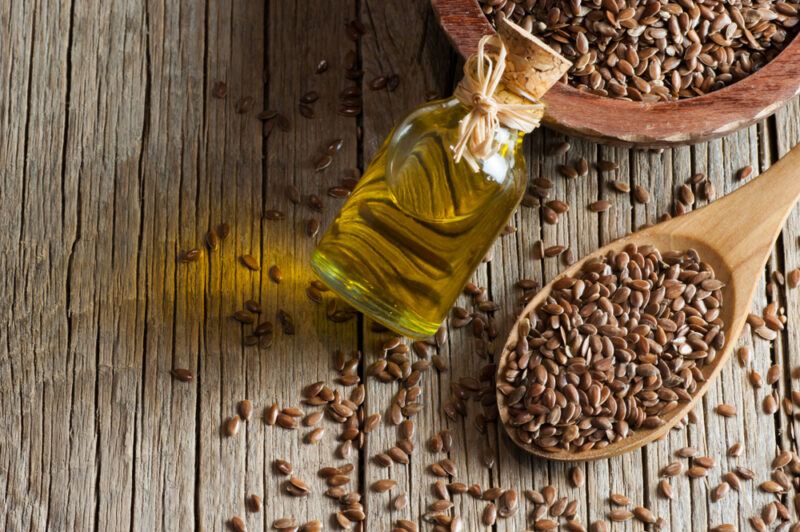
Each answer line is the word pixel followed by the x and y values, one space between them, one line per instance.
pixel 656 125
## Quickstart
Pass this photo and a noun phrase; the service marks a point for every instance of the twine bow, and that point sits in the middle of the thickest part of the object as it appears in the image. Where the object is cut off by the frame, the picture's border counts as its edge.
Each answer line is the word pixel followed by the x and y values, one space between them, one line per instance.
pixel 483 74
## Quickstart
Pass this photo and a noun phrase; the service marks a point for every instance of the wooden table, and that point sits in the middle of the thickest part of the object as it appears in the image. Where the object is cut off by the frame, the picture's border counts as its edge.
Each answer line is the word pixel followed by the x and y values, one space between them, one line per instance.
pixel 115 158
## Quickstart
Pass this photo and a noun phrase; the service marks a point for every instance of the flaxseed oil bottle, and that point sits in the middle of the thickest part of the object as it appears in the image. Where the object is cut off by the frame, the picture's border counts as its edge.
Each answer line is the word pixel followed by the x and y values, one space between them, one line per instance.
pixel 422 218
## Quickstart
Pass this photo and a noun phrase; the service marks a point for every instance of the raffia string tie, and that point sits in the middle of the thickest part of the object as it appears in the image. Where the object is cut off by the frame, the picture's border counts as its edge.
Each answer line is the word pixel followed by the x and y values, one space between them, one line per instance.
pixel 483 74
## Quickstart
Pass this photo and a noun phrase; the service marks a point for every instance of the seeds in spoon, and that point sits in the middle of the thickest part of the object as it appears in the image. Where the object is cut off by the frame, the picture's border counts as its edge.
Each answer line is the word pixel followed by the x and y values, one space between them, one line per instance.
pixel 578 318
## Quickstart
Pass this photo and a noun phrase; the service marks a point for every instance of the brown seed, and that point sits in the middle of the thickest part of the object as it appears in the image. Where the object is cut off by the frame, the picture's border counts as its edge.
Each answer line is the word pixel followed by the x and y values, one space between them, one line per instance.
pixel 781 459
pixel 568 171
pixel 271 414
pixel 620 186
pixel 298 486
pixel 309 97
pixel 665 488
pixel 686 452
pixel 726 410
pixel 237 524
pixel 582 166
pixel 384 485
pixel 245 409
pixel 545 524
pixel 243 317
pixel 489 516
pixel 733 480
pixel 315 435
pixel 223 230
pixel 770 405
pixel 720 491
pixel 311 526
pixel 274 215
pixel 640 194
pixel 232 426
pixel 182 374
pixel 558 507
pixel 492 494
pixel 769 513
pixel 275 274
pixel 405 525
pixel 286 422
pixel 250 262
pixel 735 449
pixel 553 251
pixel 212 240
pixel 254 503
pixel 696 472
pixel 686 195
pixel 400 502
pixel 672 469
pixel 757 523
pixel 600 206
pixel 283 467
pixel 744 355
pixel 337 480
pixel 321 67
pixel 576 476
pixel 744 173
pixel 770 486
pixel 191 255
pixel 252 306
pixel 560 149
pixel 644 515
pixel 773 374
pixel 619 499
pixel 793 278
pixel 619 515
pixel 284 523
pixel 312 227
pixel 398 455
pixel 607 166
pixel 745 473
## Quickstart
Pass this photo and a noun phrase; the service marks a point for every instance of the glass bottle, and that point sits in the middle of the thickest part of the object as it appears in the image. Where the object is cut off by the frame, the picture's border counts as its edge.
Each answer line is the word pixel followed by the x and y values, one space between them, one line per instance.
pixel 421 220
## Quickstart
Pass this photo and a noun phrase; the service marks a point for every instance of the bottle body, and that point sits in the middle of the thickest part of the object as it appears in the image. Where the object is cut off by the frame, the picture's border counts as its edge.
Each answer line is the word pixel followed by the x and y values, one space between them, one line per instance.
pixel 418 224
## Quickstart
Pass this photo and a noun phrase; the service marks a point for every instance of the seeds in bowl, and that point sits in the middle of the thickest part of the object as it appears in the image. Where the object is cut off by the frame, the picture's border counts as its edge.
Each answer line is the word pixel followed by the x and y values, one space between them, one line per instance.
pixel 655 51
pixel 614 349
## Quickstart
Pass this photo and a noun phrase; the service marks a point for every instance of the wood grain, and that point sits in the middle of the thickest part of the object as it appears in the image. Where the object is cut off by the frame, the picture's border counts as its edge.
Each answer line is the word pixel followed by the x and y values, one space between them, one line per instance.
pixel 116 158
pixel 662 124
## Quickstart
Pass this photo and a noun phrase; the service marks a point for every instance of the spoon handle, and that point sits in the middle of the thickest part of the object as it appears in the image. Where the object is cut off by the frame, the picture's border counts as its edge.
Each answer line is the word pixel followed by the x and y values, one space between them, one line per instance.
pixel 744 225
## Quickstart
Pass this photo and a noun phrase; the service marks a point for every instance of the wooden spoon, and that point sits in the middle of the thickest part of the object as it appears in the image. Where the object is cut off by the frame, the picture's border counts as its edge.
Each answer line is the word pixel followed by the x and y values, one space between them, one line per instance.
pixel 735 235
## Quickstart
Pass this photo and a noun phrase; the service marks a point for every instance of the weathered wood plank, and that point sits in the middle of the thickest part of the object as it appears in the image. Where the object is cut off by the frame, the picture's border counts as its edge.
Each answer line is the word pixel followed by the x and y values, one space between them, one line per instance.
pixel 231 175
pixel 117 158
pixel 418 53
pixel 171 294
pixel 41 367
pixel 514 260
pixel 280 373
pixel 785 134
pixel 104 150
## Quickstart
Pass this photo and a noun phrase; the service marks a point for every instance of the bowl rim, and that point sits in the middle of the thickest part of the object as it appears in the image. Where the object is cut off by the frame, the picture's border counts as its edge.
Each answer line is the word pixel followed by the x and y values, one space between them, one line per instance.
pixel 658 124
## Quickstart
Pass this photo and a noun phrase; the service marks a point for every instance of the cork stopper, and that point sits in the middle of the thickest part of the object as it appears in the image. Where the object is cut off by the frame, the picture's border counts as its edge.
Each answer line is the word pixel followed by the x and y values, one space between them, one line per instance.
pixel 531 65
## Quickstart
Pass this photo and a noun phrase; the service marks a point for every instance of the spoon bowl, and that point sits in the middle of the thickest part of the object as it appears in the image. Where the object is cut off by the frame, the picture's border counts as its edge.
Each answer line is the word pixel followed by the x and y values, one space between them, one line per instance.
pixel 735 236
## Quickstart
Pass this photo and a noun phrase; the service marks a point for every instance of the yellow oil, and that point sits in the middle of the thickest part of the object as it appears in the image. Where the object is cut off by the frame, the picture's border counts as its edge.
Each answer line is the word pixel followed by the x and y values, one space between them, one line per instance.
pixel 418 224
